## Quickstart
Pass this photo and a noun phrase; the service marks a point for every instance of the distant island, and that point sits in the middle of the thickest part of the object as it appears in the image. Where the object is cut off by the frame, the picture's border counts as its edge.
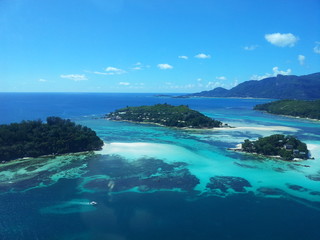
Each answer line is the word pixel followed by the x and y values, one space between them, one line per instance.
pixel 165 115
pixel 163 95
pixel 35 138
pixel 295 108
pixel 306 87
pixel 277 145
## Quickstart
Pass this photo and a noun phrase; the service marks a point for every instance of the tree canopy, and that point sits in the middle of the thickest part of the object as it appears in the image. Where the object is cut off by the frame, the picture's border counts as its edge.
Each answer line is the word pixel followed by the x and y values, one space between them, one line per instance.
pixel 165 114
pixel 295 108
pixel 35 138
pixel 288 147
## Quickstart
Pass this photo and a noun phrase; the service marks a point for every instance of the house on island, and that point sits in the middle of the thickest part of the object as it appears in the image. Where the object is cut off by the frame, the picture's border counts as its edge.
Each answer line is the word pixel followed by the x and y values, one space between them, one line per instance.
pixel 288 147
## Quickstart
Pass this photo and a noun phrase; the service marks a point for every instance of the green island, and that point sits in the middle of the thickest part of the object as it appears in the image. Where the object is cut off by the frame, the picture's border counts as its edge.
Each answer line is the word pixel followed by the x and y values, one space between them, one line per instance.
pixel 35 138
pixel 294 108
pixel 277 145
pixel 165 115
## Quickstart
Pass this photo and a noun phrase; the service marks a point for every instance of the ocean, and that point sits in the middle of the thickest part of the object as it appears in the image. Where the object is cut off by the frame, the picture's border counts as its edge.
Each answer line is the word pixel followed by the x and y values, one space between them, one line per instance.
pixel 153 182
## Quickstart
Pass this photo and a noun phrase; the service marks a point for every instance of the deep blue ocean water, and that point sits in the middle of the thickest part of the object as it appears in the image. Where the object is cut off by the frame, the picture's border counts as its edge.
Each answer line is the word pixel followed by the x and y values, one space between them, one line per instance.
pixel 20 106
pixel 151 182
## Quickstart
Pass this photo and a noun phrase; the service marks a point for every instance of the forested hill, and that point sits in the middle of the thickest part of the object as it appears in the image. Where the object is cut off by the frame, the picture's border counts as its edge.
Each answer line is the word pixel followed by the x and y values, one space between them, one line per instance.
pixel 287 147
pixel 35 138
pixel 295 108
pixel 305 87
pixel 166 115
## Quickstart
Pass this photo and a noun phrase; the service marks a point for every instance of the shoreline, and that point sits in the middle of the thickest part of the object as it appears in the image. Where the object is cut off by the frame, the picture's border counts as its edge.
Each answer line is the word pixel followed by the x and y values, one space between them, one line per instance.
pixel 264 128
pixel 223 97
pixel 46 156
pixel 290 116
pixel 223 128
pixel 161 125
pixel 276 157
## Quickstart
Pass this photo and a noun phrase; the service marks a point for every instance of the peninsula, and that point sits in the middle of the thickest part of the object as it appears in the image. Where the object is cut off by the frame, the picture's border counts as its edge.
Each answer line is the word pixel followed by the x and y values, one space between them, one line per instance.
pixel 277 145
pixel 294 108
pixel 35 138
pixel 165 115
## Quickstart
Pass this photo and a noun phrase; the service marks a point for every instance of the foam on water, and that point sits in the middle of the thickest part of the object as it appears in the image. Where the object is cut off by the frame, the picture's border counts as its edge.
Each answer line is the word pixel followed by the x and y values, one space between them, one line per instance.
pixel 72 206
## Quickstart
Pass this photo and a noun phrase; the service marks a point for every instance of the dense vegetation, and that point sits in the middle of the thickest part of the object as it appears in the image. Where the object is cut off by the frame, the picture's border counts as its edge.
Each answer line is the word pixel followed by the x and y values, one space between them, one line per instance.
pixel 287 147
pixel 296 108
pixel 35 138
pixel 165 114
pixel 279 87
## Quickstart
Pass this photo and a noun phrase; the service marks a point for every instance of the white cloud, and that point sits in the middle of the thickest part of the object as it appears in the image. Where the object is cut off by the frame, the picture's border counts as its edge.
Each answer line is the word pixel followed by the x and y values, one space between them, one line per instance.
pixel 183 57
pixel 186 86
pixel 189 86
pixel 316 49
pixel 282 39
pixel 250 48
pixel 202 56
pixel 301 59
pixel 74 77
pixel 124 83
pixel 212 85
pixel 260 77
pixel 109 71
pixel 136 68
pixel 113 70
pixel 221 78
pixel 199 79
pixel 164 66
pixel 139 84
pixel 42 80
pixel 102 73
pixel 275 71
pixel 139 66
pixel 235 83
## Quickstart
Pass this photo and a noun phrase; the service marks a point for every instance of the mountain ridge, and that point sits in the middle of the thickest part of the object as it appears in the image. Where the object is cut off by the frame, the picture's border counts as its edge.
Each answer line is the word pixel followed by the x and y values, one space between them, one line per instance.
pixel 306 87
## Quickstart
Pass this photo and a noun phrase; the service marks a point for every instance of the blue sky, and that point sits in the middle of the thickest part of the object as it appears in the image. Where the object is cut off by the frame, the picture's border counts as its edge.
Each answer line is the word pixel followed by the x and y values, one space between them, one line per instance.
pixel 154 45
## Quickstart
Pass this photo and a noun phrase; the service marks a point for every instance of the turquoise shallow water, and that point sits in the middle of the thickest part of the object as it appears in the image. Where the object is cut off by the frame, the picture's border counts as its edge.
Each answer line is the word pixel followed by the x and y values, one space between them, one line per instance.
pixel 152 182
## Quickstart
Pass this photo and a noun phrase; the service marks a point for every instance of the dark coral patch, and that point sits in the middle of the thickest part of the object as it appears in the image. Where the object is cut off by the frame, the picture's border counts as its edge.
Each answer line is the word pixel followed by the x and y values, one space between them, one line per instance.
pixel 244 165
pixel 277 169
pixel 31 168
pixel 117 167
pixel 144 174
pixel 315 193
pixel 301 165
pixel 223 183
pixel 297 188
pixel 314 177
pixel 271 191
